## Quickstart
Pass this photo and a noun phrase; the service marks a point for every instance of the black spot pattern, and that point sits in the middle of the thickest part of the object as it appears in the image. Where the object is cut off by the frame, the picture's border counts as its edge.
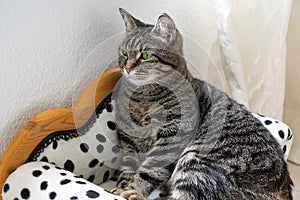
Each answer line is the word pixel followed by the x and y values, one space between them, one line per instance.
pixel 91 178
pixel 74 198
pixel 36 173
pixel 44 185
pixel 92 194
pixel 284 148
pixel 69 166
pixel 100 138
pixel 6 187
pixel 44 159
pixel 16 198
pixel 115 149
pixel 25 193
pixel 109 108
pixel 100 148
pixel 65 181
pixel 93 163
pixel 52 195
pixel 46 167
pixel 54 144
pixel 114 178
pixel 81 182
pixel 111 125
pixel 116 173
pixel 289 134
pixel 105 176
pixel 84 147
pixel 114 160
pixel 268 122
pixel 281 134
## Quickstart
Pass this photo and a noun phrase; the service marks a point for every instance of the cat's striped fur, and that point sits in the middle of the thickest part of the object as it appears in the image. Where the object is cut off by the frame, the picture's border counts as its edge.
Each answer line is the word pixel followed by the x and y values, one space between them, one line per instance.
pixel 182 133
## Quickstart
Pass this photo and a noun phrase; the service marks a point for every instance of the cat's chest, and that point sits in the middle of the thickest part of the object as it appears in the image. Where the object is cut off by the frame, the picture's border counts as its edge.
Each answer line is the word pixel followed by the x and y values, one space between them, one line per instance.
pixel 147 111
pixel 144 144
pixel 144 113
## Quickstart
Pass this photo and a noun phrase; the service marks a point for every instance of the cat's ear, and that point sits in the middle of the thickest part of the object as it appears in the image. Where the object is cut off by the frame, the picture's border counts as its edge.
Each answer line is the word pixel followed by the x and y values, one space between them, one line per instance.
pixel 131 23
pixel 165 28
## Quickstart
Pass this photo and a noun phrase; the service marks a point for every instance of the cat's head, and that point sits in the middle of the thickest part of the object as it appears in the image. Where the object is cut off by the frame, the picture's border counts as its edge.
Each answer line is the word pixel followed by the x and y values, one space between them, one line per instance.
pixel 150 51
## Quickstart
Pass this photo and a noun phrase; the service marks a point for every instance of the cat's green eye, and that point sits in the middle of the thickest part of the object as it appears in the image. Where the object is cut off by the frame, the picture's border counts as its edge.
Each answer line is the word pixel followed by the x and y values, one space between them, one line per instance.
pixel 147 56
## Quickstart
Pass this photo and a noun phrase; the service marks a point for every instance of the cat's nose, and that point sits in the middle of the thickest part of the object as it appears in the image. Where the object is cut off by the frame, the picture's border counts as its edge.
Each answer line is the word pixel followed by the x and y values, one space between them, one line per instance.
pixel 130 65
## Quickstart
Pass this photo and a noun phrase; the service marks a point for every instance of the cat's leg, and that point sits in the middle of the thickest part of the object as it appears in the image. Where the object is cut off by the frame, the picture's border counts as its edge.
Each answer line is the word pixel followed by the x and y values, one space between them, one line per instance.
pixel 128 169
pixel 151 175
pixel 158 166
pixel 126 177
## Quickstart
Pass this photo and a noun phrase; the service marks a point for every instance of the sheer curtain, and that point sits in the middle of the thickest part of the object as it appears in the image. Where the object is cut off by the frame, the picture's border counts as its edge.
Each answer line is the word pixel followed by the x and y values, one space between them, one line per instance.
pixel 252 36
pixel 292 99
pixel 259 72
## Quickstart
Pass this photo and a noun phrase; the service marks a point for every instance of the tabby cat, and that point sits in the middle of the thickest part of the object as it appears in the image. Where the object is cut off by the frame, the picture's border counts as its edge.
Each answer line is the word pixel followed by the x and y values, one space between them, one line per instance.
pixel 182 134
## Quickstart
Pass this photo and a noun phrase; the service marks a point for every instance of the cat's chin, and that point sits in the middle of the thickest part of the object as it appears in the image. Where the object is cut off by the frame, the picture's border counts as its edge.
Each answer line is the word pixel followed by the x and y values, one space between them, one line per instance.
pixel 140 79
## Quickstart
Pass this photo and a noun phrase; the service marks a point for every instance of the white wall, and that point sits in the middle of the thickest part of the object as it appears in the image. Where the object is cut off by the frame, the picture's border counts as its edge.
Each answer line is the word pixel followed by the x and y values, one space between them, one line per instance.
pixel 46 48
pixel 51 49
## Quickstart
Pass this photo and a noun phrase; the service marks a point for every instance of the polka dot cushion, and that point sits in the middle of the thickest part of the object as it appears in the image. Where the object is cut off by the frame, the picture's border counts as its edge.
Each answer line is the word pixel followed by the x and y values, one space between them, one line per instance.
pixel 90 152
pixel 41 180
pixel 280 131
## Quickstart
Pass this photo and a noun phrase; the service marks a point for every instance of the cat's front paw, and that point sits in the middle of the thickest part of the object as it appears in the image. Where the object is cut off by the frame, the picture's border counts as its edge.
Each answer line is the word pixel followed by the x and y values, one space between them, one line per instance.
pixel 117 191
pixel 128 193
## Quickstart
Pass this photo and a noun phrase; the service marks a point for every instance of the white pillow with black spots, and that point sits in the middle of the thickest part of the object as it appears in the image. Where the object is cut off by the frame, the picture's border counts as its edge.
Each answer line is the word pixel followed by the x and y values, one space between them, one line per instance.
pixel 280 131
pixel 94 155
pixel 41 180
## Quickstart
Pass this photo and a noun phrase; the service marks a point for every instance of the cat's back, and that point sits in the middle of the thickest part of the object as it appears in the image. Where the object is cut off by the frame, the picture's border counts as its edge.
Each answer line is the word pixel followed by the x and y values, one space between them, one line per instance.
pixel 232 139
pixel 233 125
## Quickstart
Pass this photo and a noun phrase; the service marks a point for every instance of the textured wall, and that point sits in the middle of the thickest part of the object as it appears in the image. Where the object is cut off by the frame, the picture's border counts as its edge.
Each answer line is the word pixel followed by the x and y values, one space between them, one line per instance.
pixel 51 49
pixel 46 48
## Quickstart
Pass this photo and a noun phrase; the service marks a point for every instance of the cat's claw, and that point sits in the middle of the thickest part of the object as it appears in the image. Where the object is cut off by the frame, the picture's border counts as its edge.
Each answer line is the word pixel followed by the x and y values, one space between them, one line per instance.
pixel 129 194
pixel 132 195
pixel 117 191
